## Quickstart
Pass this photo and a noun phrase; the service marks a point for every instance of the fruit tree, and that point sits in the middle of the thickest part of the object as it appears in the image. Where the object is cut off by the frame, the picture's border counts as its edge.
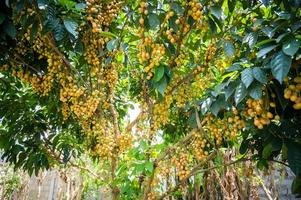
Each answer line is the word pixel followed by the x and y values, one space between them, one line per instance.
pixel 216 83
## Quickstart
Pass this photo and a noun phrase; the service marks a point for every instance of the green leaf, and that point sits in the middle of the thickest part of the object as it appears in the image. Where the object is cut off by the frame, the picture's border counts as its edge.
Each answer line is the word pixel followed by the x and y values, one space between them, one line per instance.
pixel 162 85
pixel 247 77
pixel 267 151
pixel 79 47
pixel 262 164
pixel 255 91
pixel 284 151
pixel 2 17
pixel 291 47
pixel 10 30
pixel 108 34
pixel 266 2
pixel 230 89
pixel 153 21
pixel 176 7
pixel 139 168
pixel 216 11
pixel 263 42
pixel 296 185
pixel 280 37
pixel 265 50
pixel 218 105
pixel 280 65
pixel 206 105
pixel 244 146
pixel 294 156
pixel 251 39
pixel 159 73
pixel 112 44
pixel 229 49
pixel 68 3
pixel 240 93
pixel 34 31
pixel 149 166
pixel 259 75
pixel 59 32
pixel 234 67
pixel 268 31
pixel 212 25
pixel 80 6
pixel 71 27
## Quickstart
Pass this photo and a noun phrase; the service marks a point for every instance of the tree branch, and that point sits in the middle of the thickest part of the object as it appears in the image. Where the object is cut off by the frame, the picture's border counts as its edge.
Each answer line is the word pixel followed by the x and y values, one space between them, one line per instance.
pixel 198 169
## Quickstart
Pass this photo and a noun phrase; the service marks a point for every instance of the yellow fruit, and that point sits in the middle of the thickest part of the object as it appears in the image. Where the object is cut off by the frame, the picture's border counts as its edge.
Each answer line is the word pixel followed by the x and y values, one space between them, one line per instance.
pixel 141 21
pixel 287 93
pixel 230 120
pixel 273 95
pixel 294 97
pixel 260 126
pixel 277 117
pixel 297 106
pixel 272 104
pixel 297 79
pixel 285 79
pixel 269 115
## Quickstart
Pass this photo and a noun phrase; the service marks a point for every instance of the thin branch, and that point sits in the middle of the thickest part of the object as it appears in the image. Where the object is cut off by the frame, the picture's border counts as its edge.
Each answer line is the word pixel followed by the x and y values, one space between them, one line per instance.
pixel 115 118
pixel 87 170
pixel 168 151
pixel 280 162
pixel 266 191
pixel 199 169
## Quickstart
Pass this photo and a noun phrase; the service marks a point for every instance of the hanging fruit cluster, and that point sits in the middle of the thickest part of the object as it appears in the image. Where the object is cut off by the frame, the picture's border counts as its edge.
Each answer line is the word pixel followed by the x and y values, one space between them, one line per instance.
pixel 293 91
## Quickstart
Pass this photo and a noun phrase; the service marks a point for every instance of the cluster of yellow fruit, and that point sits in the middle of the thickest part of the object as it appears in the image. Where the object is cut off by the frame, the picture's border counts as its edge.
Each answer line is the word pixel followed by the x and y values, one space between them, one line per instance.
pixel 143 8
pixel 69 91
pixel 41 83
pixel 93 44
pixel 235 124
pixel 195 10
pixel 65 110
pixel 181 162
pixel 151 196
pixel 4 68
pixel 164 168
pixel 161 112
pixel 86 108
pixel 108 144
pixel 256 109
pixel 201 82
pixel 105 146
pixel 292 92
pixel 218 129
pixel 180 59
pixel 215 128
pixel 82 104
pixel 223 64
pixel 210 51
pixel 124 142
pixel 150 53
pixel 182 95
pixel 111 76
pixel 171 36
pixel 101 13
pixel 198 145
pixel 96 126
